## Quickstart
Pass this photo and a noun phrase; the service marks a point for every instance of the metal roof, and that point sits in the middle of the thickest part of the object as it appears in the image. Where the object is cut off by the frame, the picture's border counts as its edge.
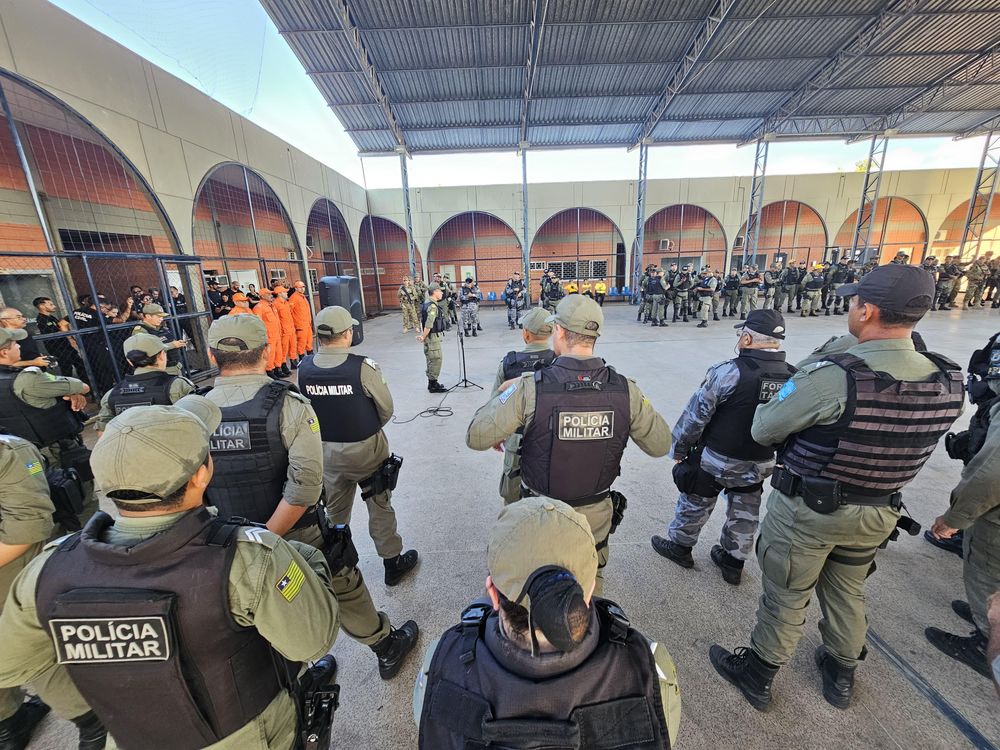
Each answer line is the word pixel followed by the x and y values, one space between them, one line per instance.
pixel 463 75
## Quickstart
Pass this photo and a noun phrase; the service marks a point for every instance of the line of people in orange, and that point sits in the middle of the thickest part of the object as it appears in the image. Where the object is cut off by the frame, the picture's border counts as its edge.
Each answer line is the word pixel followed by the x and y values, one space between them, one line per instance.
pixel 288 319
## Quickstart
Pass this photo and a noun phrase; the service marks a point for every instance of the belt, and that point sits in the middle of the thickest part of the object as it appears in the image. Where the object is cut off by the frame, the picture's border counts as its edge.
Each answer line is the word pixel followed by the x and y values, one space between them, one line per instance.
pixel 792 484
pixel 309 518
pixel 526 491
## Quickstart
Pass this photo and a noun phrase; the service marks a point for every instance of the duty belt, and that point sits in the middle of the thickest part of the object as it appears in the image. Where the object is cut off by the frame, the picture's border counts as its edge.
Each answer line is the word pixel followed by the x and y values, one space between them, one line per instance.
pixel 826 495
pixel 526 491
pixel 309 518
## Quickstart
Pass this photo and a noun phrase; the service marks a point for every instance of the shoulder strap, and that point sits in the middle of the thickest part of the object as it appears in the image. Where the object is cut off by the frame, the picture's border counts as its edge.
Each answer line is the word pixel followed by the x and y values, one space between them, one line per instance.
pixel 473 621
pixel 615 626
pixel 221 532
pixel 852 364
pixel 943 362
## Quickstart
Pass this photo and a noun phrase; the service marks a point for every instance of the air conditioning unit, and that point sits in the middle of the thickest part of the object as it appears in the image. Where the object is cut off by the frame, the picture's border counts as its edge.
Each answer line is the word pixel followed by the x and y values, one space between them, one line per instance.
pixel 277 274
pixel 666 245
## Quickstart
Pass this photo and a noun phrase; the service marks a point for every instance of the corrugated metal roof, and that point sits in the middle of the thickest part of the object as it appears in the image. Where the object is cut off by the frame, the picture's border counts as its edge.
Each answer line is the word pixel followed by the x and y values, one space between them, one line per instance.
pixel 453 71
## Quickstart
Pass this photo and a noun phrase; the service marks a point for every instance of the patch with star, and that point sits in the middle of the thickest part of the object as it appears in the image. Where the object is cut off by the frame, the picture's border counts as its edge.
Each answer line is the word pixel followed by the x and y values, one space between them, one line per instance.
pixel 291 583
pixel 34 467
pixel 313 424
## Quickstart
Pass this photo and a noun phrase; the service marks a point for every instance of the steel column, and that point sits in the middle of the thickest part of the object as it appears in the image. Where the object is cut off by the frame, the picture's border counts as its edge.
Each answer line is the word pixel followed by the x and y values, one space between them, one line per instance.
pixel 869 195
pixel 404 173
pixel 525 247
pixel 751 238
pixel 982 195
pixel 640 220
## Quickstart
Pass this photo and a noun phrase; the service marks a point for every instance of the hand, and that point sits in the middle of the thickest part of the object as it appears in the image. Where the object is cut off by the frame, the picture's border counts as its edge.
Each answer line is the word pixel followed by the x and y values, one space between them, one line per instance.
pixel 179 344
pixel 941 530
pixel 498 447
pixel 993 609
pixel 420 339
pixel 76 401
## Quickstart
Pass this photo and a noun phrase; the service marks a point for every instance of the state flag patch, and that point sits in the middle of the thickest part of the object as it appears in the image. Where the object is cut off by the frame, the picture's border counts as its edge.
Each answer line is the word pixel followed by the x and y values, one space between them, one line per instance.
pixel 291 582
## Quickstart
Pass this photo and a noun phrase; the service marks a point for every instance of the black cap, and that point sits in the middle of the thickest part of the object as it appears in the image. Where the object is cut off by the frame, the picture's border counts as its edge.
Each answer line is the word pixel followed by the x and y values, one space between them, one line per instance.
pixel 894 288
pixel 765 322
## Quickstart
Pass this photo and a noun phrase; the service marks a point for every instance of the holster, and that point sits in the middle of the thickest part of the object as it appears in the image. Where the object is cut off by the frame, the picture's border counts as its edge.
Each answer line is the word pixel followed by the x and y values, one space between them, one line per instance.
pixel 691 479
pixel 318 698
pixel 957 445
pixel 619 503
pixel 75 455
pixel 385 477
pixel 338 545
pixel 66 491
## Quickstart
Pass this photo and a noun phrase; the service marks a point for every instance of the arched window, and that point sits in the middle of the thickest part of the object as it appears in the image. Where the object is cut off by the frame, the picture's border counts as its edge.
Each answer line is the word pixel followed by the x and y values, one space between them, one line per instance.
pixel 579 243
pixel 683 234
pixel 384 260
pixel 897 226
pixel 948 239
pixel 476 244
pixel 789 231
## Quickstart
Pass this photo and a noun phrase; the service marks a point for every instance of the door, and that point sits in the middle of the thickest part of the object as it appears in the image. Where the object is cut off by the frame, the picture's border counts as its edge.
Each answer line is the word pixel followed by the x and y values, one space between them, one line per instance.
pixel 187 305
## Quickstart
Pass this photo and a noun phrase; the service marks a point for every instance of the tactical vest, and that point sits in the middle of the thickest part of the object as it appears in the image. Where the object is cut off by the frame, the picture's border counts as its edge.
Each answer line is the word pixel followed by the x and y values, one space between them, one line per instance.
pixel 42 427
pixel 516 364
pixel 705 288
pixel 611 699
pixel 762 374
pixel 815 283
pixel 572 450
pixel 147 389
pixel 839 276
pixel 251 463
pixel 346 414
pixel 439 322
pixel 682 282
pixel 732 283
pixel 147 637
pixel 655 286
pixel 887 432
pixel 173 354
pixel 556 292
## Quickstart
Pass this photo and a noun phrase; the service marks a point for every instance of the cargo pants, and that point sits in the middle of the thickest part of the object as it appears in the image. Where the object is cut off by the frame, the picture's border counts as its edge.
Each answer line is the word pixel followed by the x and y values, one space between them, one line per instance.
pixel 981 568
pixel 748 300
pixel 812 300
pixel 432 353
pixel 410 318
pixel 11 698
pixel 738 530
pixel 657 307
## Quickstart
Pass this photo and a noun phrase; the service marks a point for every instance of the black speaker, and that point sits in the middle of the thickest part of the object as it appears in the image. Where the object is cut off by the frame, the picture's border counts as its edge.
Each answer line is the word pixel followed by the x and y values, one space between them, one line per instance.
pixel 344 291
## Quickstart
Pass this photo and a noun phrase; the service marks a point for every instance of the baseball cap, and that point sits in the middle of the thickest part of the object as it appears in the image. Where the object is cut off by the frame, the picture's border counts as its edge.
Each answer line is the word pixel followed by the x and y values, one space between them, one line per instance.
pixel 433 286
pixel 154 449
pixel 765 322
pixel 265 292
pixel 895 288
pixel 579 314
pixel 145 343
pixel 240 297
pixel 536 320
pixel 248 329
pixel 334 319
pixel 12 334
pixel 280 289
pixel 534 533
pixel 153 309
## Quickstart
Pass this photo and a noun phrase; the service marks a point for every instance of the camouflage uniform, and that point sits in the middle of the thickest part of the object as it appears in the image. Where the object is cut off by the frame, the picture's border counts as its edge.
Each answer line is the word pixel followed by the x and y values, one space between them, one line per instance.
pixel 409 301
pixel 469 297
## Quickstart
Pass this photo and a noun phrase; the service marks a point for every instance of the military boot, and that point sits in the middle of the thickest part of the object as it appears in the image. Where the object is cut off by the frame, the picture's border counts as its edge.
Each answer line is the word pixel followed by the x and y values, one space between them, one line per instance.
pixel 715 316
pixel 732 569
pixel 675 315
pixel 392 650
pixel 284 371
pixel 828 312
pixel 747 671
pixel 93 734
pixel 435 387
pixel 397 567
pixel 15 732
pixel 295 362
pixel 838 680
pixel 963 610
pixel 970 650
pixel 702 324
pixel 673 551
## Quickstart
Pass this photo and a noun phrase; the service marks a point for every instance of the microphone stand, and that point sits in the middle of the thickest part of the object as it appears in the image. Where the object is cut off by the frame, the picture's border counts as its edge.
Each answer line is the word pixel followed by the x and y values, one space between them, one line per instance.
pixel 464 382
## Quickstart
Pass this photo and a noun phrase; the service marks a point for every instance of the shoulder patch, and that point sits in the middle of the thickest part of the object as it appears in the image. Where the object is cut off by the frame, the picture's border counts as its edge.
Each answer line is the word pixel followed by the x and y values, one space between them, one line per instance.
pixel 291 582
pixel 313 424
pixel 507 393
pixel 257 535
pixel 813 366
pixel 371 363
pixel 34 467
pixel 298 397
pixel 786 390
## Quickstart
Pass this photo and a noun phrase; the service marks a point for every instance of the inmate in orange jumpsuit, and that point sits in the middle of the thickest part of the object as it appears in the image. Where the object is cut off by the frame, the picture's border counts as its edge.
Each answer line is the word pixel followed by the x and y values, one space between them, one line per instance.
pixel 284 311
pixel 239 309
pixel 302 317
pixel 266 312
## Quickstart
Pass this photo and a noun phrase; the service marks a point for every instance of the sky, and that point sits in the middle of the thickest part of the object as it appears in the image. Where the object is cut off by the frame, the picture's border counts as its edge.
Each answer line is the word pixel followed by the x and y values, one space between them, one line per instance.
pixel 230 50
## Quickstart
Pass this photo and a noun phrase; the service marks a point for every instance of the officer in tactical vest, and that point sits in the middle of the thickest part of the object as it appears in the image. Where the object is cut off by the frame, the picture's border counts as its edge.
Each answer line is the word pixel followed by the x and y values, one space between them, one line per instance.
pixel 131 609
pixel 645 304
pixel 656 297
pixel 833 503
pixel 812 291
pixel 731 294
pixel 516 298
pixel 555 292
pixel 715 453
pixel 705 292
pixel 148 384
pixel 43 409
pixel 536 354
pixel 842 273
pixel 469 298
pixel 153 317
pixel 544 657
pixel 353 404
pixel 772 277
pixel 433 324
pixel 268 457
pixel 750 280
pixel 586 412
pixel 681 282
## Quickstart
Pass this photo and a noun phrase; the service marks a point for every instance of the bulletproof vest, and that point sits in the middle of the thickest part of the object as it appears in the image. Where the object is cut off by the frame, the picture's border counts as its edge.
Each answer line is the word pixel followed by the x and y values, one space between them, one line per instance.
pixel 556 291
pixel 732 283
pixel 251 463
pixel 887 432
pixel 611 699
pixel 147 637
pixel 705 287
pixel 173 354
pixel 839 275
pixel 42 427
pixel 655 286
pixel 815 283
pixel 346 413
pixel 572 450
pixel 439 321
pixel 147 389
pixel 794 276
pixel 516 364
pixel 762 374
pixel 682 282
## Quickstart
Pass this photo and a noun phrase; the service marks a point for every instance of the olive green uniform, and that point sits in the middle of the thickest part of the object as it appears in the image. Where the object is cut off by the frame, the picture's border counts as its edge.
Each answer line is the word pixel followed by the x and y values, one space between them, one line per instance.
pixel 800 550
pixel 301 629
pixel 166 336
pixel 179 388
pixel 304 483
pixel 812 299
pixel 504 414
pixel 25 518
pixel 432 343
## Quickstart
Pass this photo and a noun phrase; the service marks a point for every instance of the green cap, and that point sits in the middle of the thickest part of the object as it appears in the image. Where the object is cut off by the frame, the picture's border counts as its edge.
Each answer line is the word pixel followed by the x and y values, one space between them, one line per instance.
pixel 433 287
pixel 12 334
pixel 153 309
pixel 536 532
pixel 249 330
pixel 145 343
pixel 579 314
pixel 536 320
pixel 334 319
pixel 154 449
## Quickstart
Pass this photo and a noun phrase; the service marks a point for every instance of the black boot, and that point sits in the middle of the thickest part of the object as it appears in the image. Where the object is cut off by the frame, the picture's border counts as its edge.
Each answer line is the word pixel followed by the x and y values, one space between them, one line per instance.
pixel 392 650
pixel 475 331
pixel 953 545
pixel 702 324
pixel 732 569
pixel 673 551
pixel 838 680
pixel 675 317
pixel 479 327
pixel 715 316
pixel 397 567
pixel 295 362
pixel 285 372
pixel 963 610
pixel 435 387
pixel 15 732
pixel 828 312
pixel 685 318
pixel 93 735
pixel 837 312
pixel 747 671
pixel 970 650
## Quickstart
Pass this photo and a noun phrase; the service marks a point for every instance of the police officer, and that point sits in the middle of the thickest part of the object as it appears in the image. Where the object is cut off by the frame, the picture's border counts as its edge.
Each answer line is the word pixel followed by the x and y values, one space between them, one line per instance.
pixel 149 382
pixel 353 404
pixel 219 305
pixel 543 657
pixel 146 602
pixel 576 457
pixel 790 279
pixel 642 316
pixel 516 299
pixel 268 469
pixel 731 294
pixel 706 295
pixel 712 436
pixel 834 502
pixel 812 291
pixel 536 354
pixel 153 317
pixel 469 298
pixel 948 275
pixel 772 277
pixel 407 295
pixel 682 283
pixel 42 408
pixel 433 324
pixel 842 273
pixel 555 292
pixel 750 279
pixel 656 297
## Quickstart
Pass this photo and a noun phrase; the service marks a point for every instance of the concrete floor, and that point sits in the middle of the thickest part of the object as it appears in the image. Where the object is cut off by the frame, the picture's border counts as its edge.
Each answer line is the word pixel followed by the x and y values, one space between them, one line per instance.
pixel 447 498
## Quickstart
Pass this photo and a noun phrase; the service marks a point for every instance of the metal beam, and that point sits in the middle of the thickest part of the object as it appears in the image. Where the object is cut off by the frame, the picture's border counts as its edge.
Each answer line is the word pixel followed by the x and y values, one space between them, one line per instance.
pixel 986 126
pixel 682 73
pixel 982 195
pixel 525 247
pixel 751 238
pixel 410 248
pixel 640 220
pixel 535 30
pixel 869 195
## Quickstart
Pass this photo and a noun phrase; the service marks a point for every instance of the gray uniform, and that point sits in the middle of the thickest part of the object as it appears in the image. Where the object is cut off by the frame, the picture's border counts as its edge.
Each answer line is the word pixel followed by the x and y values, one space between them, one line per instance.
pixel 470 297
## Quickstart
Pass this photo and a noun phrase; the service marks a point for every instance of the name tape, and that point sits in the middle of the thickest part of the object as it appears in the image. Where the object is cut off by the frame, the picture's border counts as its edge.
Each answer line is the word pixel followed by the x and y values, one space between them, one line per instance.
pixel 110 640
pixel 586 425
pixel 231 436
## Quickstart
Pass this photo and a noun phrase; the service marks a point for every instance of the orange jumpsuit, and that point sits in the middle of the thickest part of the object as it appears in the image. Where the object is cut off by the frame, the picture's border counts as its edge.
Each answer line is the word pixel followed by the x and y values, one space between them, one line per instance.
pixel 302 317
pixel 284 310
pixel 266 312
pixel 240 311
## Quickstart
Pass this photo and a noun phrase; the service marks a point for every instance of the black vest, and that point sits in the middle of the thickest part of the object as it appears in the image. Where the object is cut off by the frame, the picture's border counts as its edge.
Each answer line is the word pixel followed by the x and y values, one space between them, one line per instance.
pixel 815 283
pixel 572 450
pixel 839 275
pixel 439 322
pixel 42 427
pixel 887 432
pixel 165 335
pixel 556 291
pixel 762 374
pixel 610 698
pixel 251 463
pixel 732 283
pixel 704 288
pixel 516 364
pixel 345 413
pixel 682 282
pixel 655 286
pixel 147 389
pixel 146 633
